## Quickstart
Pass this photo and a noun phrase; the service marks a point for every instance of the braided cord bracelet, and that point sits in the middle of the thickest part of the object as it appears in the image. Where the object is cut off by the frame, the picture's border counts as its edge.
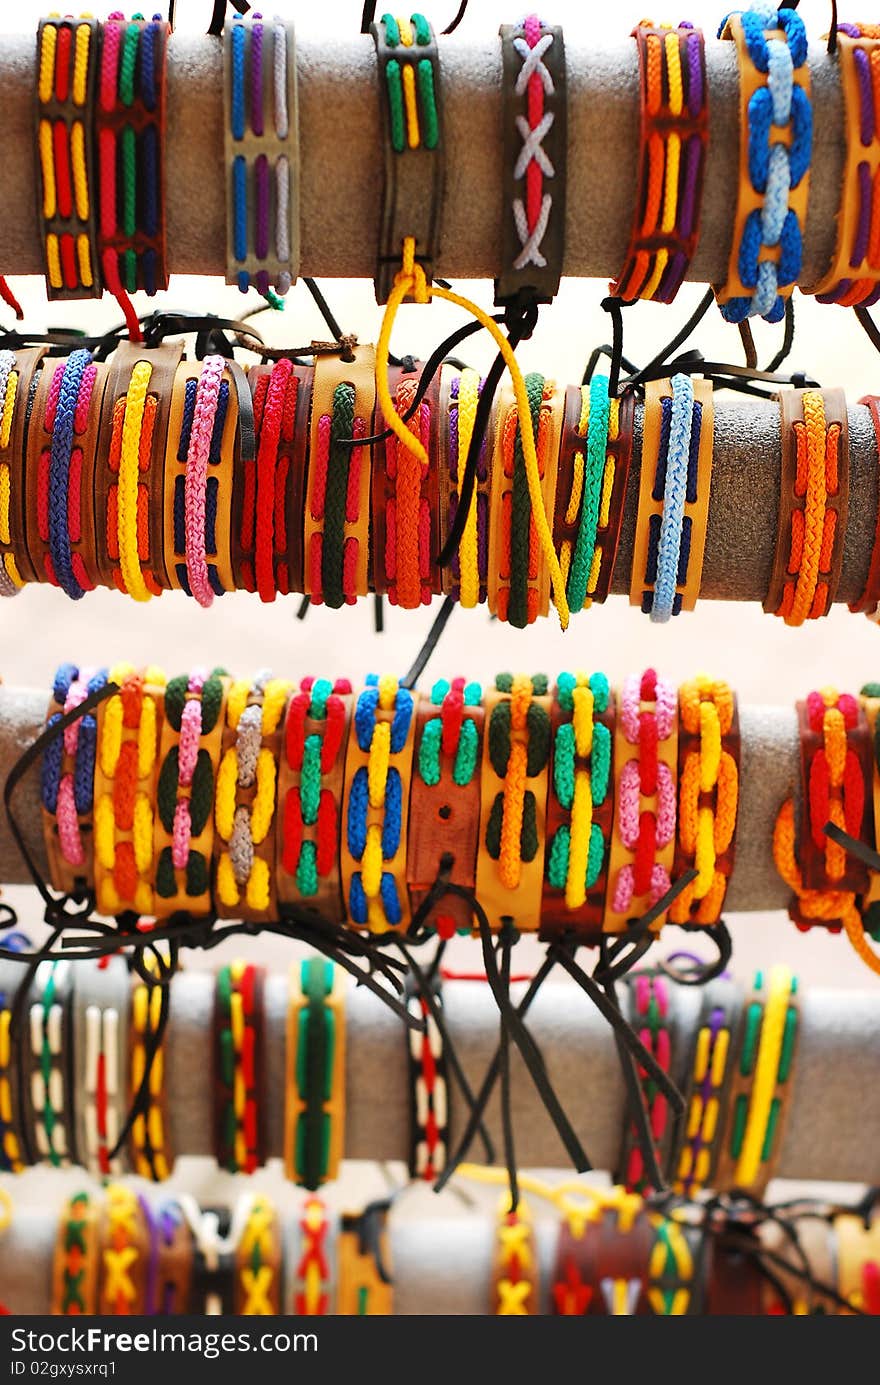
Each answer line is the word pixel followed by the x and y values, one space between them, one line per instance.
pixel 13 1147
pixel 643 833
pixel 405 500
pixel 150 1154
pixel 674 134
pixel 239 1107
pixel 675 1269
pixel 709 1070
pixel 374 829
pixel 708 798
pixel 48 1060
pixel 585 486
pixel 580 805
pixel 67 787
pixel 124 1253
pixel 129 727
pixel 75 1262
pixel 514 787
pixel 467 576
pixel 189 757
pixel 650 1016
pixel 314 1124
pixel 310 791
pixel 100 1058
pixel 515 1279
pixel 775 149
pixel 19 377
pixel 199 468
pixel 264 523
pixel 258 1262
pixel 310 1250
pixel 244 806
pixel 67 64
pixel 428 1086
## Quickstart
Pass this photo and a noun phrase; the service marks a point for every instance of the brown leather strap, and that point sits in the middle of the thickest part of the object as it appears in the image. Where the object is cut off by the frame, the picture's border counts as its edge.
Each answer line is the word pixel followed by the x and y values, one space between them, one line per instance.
pixel 14 554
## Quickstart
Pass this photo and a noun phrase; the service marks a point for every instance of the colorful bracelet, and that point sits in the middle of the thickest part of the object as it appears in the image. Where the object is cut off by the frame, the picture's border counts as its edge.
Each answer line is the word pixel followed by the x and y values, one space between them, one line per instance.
pixel 337 511
pixel 414 160
pixel 215 1236
pixel 514 786
pixel 708 757
pixel 857 1258
pixel 869 700
pixel 19 377
pixel 673 513
pixel 269 559
pixel 601 1264
pixel 519 578
pixel 129 119
pixel 405 498
pixel 124 1253
pixel 239 1106
pixel 444 818
pixel 244 808
pixel 364 1287
pixel 869 600
pixel 261 132
pixel 62 440
pixel 813 505
pixel 14 1154
pixel 46 1076
pixel 580 807
pixel 189 758
pixel 151 1155
pixel 534 102
pixel 67 67
pixel 258 1263
pixel 853 276
pixel 310 791
pixel 775 149
pixel 175 1260
pixel 100 1059
pixel 314 1119
pixel 374 825
pixel 467 575
pixel 428 1087
pixel 310 1260
pixel 709 1073
pixel 760 1085
pixel 67 788
pixel 673 136
pixel 675 1268
pixel 643 832
pixel 515 1277
pixel 129 730
pixel 836 767
pixel 650 1016
pixel 75 1262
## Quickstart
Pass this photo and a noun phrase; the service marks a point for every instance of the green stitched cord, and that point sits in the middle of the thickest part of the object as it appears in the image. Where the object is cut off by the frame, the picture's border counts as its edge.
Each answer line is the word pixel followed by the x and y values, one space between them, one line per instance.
pixel 430 118
pixel 394 84
pixel 128 152
pixel 597 447
pixel 392 32
pixel 421 28
pixel 310 779
pixel 127 64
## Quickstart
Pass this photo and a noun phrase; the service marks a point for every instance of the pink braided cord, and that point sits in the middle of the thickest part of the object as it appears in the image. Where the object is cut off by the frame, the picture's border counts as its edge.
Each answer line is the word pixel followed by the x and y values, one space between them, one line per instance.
pixel 625 890
pixel 196 482
pixel 628 803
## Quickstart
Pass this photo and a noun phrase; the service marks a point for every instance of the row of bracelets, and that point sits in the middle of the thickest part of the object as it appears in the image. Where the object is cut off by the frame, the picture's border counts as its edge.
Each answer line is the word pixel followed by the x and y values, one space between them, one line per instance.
pixel 611 1255
pixel 151 473
pixel 100 137
pixel 568 810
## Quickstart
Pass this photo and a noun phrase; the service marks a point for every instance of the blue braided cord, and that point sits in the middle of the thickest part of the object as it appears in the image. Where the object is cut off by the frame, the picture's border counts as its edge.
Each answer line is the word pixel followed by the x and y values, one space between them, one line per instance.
pixel 372 680
pixel 239 208
pixel 653 545
pixel 214 578
pixel 179 514
pixel 775 208
pixel 357 900
pixel 801 148
pixel 764 297
pixel 149 39
pixel 749 249
pixel 660 474
pixel 212 488
pixel 59 473
pixel 473 694
pixel 393 818
pixel 65 674
pixel 149 264
pixel 439 691
pixel 97 681
pixel 238 51
pixel 601 690
pixel 84 765
pixel 759 111
pixel 684 555
pixel 468 743
pixel 791 248
pixel 403 708
pixel 736 309
pixel 365 717
pixel 390 900
pixel 358 800
pixel 673 498
pixel 600 765
pixel 694 454
pixel 189 405
pixel 51 772
pixel 219 423
pixel 183 578
pixel 149 171
pixel 243 279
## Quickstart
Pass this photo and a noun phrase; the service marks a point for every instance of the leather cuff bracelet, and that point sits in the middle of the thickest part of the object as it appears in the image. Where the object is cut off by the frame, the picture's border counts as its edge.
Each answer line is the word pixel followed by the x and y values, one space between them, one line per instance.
pixel 602 1259
pixel 836 768
pixel 14 1151
pixel 466 576
pixel 19 378
pixel 269 557
pixel 708 758
pixel 175 1260
pixel 650 1014
pixel 515 1284
pixel 151 1153
pixel 47 1067
pixel 75 1261
pixel 364 1288
pixel 710 1067
pixel 125 1253
pixel 100 1056
pixel 258 1263
pixel 67 789
pixel 677 1268
pixel 310 1243
pixel 405 498
pixel 314 1119
pixel 428 1087
pixel 240 1099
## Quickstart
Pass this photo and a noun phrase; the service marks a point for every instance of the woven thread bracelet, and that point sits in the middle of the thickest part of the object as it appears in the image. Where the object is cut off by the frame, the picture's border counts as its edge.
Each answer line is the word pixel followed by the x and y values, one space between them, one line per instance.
pixel 364 1287
pixel 515 1279
pixel 46 1079
pixel 467 575
pixel 270 559
pixel 244 806
pixel 651 1018
pixel 67 67
pixel 19 375
pixel 580 806
pixel 239 1106
pixel 836 768
pixel 534 102
pixel 673 496
pixel 199 479
pixel 374 829
pixel 62 439
pixel 151 1156
pixel 673 137
pixel 643 834
pixel 405 499
pixel 444 818
pixel 814 501
pixel 129 727
pixel 100 1057
pixel 708 798
pixel 761 1083
pixel 258 1263
pixel 428 1086
pixel 309 1259
pixel 130 139
pixel 13 1148
pixel 869 699
pixel 310 790
pixel 261 128
pixel 519 578
pixel 75 1262
pixel 67 787
pixel 853 276
pixel 514 785
pixel 675 1268
pixel 709 1070
pixel 124 1253
pixel 189 757
pixel 175 1260
pixel 314 1121
pixel 775 149
pixel 337 511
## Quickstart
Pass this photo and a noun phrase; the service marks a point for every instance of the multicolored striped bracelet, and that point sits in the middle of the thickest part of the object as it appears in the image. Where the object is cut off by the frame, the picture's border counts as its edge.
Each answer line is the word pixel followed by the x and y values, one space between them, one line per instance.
pixel 46 1066
pixel 100 1058
pixel 428 1087
pixel 515 1275
pixel 75 1261
pixel 466 578
pixel 650 1014
pixel 67 788
pixel 240 1105
pixel 709 1072
pixel 310 1246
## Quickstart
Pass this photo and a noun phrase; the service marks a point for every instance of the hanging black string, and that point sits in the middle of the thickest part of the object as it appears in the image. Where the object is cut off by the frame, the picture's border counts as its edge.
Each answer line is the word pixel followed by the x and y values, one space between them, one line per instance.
pixel 420 663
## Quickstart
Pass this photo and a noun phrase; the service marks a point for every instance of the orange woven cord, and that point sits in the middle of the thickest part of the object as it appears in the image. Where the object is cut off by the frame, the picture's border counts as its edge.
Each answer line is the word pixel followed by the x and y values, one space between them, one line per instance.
pixel 708 798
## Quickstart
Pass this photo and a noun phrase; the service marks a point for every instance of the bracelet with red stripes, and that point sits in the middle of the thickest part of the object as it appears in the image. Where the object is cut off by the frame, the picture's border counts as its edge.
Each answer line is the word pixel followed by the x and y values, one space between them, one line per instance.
pixel 100 1056
pixel 428 1086
pixel 650 1017
pixel 270 556
pixel 239 1109
pixel 405 499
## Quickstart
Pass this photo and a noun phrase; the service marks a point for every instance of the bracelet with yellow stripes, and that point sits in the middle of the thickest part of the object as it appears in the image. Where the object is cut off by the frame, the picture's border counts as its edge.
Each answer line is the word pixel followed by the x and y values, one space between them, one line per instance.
pixel 13 1150
pixel 124 1239
pixel 709 1070
pixel 19 376
pixel 240 1108
pixel 515 1276
pixel 310 1250
pixel 75 1261
pixel 314 1121
pixel 258 1262
pixel 150 1151
pixel 676 1268
pixel 708 797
